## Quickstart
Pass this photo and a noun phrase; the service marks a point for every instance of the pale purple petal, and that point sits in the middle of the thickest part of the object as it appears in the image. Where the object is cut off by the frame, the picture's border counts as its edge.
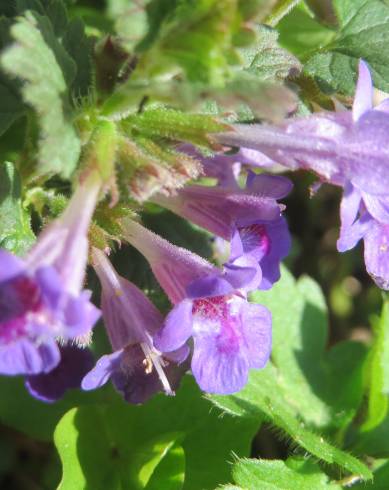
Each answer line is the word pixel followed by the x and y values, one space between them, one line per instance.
pixel 218 209
pixel 363 100
pixel 177 328
pixel 207 286
pixel 254 158
pixel 236 244
pixel 178 356
pixel 349 205
pixel 51 286
pixel 103 370
pixel 279 248
pixel 350 236
pixel 217 369
pixel 74 365
pixel 174 267
pixel 79 315
pixel 349 208
pixel 223 334
pixel 26 357
pixel 243 273
pixel 367 151
pixel 378 207
pixel 10 265
pixel 376 242
pixel 272 186
pixel 257 334
pixel 383 106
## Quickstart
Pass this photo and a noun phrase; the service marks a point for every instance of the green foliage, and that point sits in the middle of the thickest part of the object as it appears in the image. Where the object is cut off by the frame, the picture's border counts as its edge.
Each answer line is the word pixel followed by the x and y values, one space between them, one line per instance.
pixel 15 231
pixel 301 389
pixel 33 61
pixel 18 409
pixel 381 478
pixel 267 60
pixel 148 76
pixel 123 446
pixel 104 460
pixel 301 34
pixel 377 376
pixel 11 109
pixel 291 474
pixel 174 125
pixel 363 33
pixel 204 30
pixel 131 22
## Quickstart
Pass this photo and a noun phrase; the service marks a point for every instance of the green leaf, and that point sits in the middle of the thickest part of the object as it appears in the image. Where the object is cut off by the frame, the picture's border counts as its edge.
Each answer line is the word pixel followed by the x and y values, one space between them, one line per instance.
pixel 279 10
pixel 15 231
pixel 33 61
pixel 266 100
pixel 103 459
pixel 19 410
pixel 125 446
pixel 204 29
pixel 299 340
pixel 381 479
pixel 377 372
pixel 173 125
pixel 363 33
pixel 262 398
pixel 267 60
pixel 294 473
pixel 301 34
pixel 131 20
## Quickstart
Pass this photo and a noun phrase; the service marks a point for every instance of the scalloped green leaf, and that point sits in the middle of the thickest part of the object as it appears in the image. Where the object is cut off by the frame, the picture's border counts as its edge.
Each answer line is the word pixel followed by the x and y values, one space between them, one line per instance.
pixel 138 447
pixel 294 473
pixel 363 33
pixel 31 59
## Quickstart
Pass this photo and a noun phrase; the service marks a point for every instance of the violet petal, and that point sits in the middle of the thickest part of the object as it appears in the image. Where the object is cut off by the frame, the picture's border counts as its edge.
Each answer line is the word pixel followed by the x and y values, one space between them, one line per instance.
pixel 103 370
pixel 25 357
pixel 363 100
pixel 376 242
pixel 74 365
pixel 10 265
pixel 177 328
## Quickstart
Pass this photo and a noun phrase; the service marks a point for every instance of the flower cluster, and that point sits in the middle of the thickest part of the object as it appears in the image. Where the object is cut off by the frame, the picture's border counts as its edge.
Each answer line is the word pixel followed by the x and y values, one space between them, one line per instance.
pixel 46 316
pixel 347 149
pixel 212 328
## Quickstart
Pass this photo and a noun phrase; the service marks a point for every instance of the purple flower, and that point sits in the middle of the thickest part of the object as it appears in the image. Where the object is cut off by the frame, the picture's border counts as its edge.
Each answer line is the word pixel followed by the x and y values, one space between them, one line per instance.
pixel 339 147
pixel 226 167
pixel 41 296
pixel 75 363
pixel 136 368
pixel 230 335
pixel 250 218
pixel 347 149
pixel 365 216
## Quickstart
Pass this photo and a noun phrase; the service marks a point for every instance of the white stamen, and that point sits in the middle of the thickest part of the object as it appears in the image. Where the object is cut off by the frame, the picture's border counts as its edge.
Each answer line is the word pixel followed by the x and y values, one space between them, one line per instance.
pixel 155 359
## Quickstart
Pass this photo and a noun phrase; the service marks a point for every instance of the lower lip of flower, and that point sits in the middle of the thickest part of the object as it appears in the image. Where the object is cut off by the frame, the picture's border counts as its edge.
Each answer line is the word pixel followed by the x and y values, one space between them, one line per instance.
pixel 216 316
pixel 210 308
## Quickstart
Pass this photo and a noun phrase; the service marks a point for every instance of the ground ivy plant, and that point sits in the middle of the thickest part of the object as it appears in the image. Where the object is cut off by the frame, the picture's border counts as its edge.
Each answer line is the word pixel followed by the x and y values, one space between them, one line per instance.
pixel 179 183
